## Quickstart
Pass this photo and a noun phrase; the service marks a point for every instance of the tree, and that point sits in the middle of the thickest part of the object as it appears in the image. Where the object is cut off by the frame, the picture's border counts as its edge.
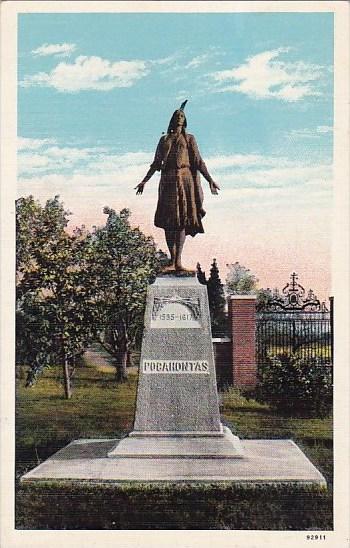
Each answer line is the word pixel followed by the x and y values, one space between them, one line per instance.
pixel 124 262
pixel 216 298
pixel 55 304
pixel 201 275
pixel 240 280
pixel 263 297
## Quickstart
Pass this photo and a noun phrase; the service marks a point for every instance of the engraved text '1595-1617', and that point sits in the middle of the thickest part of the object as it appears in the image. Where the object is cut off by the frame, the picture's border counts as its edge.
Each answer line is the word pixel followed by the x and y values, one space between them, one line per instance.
pixel 175 312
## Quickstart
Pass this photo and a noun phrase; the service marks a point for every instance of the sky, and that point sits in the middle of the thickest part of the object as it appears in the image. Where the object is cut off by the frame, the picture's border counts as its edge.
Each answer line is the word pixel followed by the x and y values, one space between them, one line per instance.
pixel 96 91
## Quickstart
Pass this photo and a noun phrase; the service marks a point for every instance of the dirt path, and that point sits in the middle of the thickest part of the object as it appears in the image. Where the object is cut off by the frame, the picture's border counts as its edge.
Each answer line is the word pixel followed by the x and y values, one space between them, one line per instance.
pixel 98 357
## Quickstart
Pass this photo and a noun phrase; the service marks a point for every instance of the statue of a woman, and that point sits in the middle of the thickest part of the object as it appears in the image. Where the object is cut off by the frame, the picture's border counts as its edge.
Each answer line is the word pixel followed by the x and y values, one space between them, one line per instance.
pixel 180 197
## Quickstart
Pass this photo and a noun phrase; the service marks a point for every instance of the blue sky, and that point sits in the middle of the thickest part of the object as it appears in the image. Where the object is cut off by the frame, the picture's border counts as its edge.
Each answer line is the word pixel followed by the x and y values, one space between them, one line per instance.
pixel 97 90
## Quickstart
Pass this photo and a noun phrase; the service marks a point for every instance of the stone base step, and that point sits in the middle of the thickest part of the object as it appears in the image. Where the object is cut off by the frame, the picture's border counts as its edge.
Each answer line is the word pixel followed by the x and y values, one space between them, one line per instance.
pixel 226 446
pixel 272 462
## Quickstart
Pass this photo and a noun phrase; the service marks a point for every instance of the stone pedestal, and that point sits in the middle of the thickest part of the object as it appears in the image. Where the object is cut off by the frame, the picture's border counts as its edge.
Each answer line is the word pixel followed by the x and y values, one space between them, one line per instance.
pixel 177 433
pixel 177 410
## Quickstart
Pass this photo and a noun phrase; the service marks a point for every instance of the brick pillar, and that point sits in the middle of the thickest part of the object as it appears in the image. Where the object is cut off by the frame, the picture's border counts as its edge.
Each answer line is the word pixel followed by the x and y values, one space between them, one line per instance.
pixel 242 315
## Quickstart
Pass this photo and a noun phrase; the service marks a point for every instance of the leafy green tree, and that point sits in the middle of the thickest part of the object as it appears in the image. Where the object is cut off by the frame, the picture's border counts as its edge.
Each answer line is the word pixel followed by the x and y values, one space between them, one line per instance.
pixel 217 299
pixel 55 297
pixel 240 280
pixel 263 297
pixel 125 261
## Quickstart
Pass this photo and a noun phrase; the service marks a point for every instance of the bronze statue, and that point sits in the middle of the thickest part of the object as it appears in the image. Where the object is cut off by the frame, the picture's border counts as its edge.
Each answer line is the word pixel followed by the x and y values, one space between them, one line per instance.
pixel 180 196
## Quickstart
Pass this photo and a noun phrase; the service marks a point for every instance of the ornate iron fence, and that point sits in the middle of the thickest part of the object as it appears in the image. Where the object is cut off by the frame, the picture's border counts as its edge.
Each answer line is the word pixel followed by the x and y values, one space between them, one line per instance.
pixel 294 322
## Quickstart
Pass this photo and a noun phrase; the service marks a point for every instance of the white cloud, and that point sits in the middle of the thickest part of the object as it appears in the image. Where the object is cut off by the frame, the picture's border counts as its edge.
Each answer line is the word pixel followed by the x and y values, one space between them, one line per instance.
pixel 304 133
pixel 110 162
pixel 54 159
pixel 241 175
pixel 263 76
pixel 87 73
pixel 25 143
pixel 242 161
pixel 309 133
pixel 324 129
pixel 38 156
pixel 293 179
pixel 198 60
pixel 68 153
pixel 170 59
pixel 58 50
pixel 33 163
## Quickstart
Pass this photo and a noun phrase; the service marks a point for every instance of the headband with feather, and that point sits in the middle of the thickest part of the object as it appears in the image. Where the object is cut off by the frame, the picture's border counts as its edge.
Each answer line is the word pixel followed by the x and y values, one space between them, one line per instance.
pixel 183 105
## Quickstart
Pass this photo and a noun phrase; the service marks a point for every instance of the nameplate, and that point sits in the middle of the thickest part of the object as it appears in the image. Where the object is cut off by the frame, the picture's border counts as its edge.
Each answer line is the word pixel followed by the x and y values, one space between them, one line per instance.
pixel 176 367
pixel 175 312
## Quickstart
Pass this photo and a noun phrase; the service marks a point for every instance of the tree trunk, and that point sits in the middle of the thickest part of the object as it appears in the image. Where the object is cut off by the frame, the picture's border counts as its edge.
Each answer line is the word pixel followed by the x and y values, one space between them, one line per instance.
pixel 122 373
pixel 129 361
pixel 72 367
pixel 66 378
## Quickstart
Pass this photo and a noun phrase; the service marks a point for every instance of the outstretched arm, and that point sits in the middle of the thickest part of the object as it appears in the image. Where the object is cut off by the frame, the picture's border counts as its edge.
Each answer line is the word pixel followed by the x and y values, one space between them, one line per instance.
pixel 202 168
pixel 155 166
pixel 139 188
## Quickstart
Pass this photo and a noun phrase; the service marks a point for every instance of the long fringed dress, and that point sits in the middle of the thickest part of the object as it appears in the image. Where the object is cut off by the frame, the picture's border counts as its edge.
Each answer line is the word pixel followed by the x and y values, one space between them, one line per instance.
pixel 180 195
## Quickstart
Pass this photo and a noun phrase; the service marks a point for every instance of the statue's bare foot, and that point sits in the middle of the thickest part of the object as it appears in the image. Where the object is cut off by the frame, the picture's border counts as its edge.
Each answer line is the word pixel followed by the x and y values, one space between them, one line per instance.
pixel 180 268
pixel 169 268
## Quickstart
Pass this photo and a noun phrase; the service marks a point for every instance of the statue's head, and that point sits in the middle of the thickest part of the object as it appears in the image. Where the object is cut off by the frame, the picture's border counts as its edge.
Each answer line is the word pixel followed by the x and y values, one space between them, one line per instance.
pixel 178 119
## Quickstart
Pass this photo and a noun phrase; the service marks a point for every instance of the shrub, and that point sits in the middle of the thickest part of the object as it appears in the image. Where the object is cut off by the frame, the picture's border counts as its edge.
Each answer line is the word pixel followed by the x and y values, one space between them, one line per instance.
pixel 296 386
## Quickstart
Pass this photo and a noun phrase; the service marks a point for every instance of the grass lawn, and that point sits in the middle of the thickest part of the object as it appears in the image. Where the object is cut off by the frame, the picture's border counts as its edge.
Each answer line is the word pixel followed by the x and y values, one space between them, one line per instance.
pixel 99 408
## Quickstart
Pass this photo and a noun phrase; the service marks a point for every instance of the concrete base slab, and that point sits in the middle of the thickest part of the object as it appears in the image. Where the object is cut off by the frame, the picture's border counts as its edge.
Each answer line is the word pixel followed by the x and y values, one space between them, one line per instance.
pixel 215 447
pixel 265 461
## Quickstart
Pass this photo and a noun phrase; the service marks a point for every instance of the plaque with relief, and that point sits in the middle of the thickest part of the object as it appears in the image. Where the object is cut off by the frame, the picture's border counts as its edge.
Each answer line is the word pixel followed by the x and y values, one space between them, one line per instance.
pixel 176 312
